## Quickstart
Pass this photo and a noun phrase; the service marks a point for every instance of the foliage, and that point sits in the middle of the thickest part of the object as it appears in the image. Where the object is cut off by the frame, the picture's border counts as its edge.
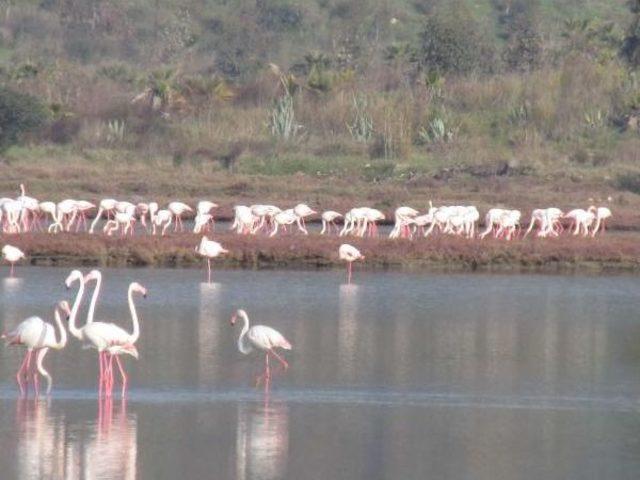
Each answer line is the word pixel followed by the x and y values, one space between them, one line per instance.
pixel 451 42
pixel 282 121
pixel 361 128
pixel 19 114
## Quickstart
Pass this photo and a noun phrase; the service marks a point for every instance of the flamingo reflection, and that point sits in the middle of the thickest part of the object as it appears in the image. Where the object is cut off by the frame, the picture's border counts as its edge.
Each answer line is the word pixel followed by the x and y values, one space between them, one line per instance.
pixel 40 450
pixel 110 450
pixel 262 440
pixel 348 330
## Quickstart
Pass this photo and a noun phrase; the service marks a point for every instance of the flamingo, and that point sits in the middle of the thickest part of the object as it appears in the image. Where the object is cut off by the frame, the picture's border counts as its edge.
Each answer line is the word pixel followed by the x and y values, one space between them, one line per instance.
pixel 302 210
pixel 12 254
pixel 329 218
pixel 243 220
pixel 107 205
pixel 602 213
pixel 178 209
pixel 36 334
pixel 113 339
pixel 262 338
pixel 404 215
pixel 159 218
pixel 107 338
pixel 349 254
pixel 210 249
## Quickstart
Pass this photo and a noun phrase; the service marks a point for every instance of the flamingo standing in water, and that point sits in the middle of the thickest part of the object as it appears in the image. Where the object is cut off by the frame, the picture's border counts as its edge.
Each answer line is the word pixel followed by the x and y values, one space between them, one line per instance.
pixel 12 254
pixel 113 339
pixel 262 338
pixel 37 335
pixel 349 254
pixel 210 249
pixel 107 338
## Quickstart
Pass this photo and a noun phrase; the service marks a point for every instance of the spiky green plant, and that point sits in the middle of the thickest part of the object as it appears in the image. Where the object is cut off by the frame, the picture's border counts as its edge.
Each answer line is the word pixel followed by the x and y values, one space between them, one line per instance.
pixel 361 129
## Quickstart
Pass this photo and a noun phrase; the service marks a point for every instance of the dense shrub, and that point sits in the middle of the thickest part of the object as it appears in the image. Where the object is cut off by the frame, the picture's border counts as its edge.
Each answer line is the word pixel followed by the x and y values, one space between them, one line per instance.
pixel 19 114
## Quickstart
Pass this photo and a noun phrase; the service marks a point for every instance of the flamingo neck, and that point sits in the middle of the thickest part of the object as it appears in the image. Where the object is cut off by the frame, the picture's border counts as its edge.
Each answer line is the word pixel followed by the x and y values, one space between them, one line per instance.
pixel 75 331
pixel 41 369
pixel 241 339
pixel 94 300
pixel 134 318
pixel 63 333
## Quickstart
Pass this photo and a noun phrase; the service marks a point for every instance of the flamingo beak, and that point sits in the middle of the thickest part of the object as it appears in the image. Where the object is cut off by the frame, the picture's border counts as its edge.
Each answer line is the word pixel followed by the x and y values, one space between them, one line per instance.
pixel 233 319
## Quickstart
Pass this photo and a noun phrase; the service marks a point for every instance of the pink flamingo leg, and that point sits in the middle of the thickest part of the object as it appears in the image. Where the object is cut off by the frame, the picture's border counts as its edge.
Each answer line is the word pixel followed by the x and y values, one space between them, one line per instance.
pixel 123 375
pixel 110 377
pixel 284 363
pixel 349 273
pixel 23 366
pixel 11 273
pixel 209 270
pixel 36 383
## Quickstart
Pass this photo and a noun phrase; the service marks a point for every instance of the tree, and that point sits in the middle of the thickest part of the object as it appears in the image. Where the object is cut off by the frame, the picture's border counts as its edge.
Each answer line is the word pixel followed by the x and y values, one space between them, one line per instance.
pixel 631 44
pixel 523 50
pixel 19 114
pixel 451 42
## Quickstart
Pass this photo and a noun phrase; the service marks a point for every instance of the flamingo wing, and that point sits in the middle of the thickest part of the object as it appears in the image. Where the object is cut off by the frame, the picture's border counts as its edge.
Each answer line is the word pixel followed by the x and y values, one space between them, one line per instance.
pixel 267 338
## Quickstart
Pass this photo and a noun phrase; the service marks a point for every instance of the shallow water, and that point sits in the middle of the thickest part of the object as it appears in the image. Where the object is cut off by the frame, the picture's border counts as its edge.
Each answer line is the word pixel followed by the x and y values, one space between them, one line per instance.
pixel 401 377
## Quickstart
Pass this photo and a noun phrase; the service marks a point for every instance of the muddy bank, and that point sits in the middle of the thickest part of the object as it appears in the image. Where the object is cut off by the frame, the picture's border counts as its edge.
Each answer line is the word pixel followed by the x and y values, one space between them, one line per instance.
pixel 613 252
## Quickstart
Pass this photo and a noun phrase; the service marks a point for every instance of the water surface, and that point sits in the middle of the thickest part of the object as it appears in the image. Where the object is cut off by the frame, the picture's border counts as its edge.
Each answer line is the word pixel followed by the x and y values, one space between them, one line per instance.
pixel 400 377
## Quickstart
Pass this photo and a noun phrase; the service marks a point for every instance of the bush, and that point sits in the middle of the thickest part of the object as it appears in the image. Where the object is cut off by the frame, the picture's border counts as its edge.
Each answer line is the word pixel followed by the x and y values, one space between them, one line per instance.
pixel 628 181
pixel 19 114
pixel 451 42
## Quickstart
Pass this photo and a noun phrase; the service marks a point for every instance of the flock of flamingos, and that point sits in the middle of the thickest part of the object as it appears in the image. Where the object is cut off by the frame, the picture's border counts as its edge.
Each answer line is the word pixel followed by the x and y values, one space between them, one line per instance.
pixel 26 214
pixel 112 341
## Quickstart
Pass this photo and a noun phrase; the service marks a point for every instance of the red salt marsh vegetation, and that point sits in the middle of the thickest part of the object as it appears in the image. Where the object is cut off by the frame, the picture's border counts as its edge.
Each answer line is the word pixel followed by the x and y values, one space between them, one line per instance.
pixel 613 251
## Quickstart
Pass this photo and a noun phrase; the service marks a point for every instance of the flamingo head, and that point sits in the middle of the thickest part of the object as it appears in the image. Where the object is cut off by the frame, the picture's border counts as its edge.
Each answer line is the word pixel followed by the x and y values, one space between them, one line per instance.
pixel 66 309
pixel 73 276
pixel 239 313
pixel 92 275
pixel 136 287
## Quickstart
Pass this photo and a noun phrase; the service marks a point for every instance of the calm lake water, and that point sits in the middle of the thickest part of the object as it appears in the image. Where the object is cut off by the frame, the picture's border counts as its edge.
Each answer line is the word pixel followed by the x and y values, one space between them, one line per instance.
pixel 479 377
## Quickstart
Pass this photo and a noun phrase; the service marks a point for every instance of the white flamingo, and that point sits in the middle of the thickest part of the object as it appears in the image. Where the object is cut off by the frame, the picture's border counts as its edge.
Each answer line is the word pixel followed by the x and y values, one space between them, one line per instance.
pixel 329 218
pixel 349 254
pixel 12 255
pixel 39 336
pixel 602 214
pixel 178 209
pixel 106 338
pixel 210 249
pixel 262 338
pixel 107 206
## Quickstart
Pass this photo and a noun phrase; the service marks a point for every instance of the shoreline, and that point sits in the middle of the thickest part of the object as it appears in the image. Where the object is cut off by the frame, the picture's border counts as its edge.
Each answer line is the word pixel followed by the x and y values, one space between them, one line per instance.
pixel 611 253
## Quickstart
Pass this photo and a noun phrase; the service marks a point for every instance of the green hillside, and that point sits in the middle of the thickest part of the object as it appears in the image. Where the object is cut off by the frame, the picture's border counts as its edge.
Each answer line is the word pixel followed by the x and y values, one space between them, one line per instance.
pixel 371 90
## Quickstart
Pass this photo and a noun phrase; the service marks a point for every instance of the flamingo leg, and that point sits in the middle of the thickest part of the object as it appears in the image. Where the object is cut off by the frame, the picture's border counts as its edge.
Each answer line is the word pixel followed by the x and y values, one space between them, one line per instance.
pixel 349 264
pixel 11 273
pixel 209 270
pixel 20 370
pixel 36 383
pixel 279 358
pixel 123 375
pixel 110 377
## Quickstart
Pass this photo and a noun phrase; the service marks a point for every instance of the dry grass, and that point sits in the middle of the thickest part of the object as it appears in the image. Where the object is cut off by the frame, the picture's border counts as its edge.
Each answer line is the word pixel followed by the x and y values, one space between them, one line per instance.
pixel 613 251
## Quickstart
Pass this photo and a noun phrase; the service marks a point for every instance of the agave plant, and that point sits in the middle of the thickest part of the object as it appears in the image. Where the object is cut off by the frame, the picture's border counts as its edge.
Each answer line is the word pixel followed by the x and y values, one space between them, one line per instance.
pixel 282 120
pixel 361 129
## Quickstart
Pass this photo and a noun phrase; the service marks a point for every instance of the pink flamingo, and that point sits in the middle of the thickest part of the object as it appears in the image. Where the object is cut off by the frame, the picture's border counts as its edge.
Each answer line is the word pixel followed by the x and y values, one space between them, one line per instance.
pixel 107 338
pixel 210 249
pixel 12 255
pixel 349 254
pixel 262 338
pixel 37 335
